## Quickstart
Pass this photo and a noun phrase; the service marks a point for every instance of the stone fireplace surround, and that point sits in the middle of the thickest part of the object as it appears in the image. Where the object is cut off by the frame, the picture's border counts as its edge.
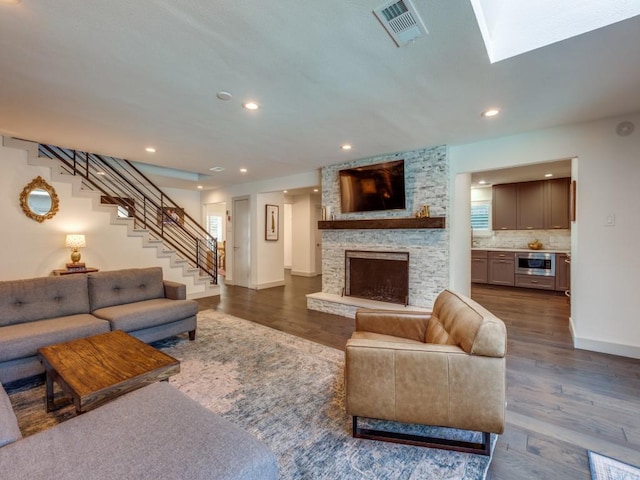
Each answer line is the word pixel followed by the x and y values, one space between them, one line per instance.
pixel 426 183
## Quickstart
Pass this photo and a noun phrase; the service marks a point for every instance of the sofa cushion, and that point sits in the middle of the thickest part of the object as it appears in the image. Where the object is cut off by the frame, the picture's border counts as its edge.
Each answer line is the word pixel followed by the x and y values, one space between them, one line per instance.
pixel 135 316
pixel 119 287
pixel 156 432
pixel 24 339
pixel 38 298
pixel 9 431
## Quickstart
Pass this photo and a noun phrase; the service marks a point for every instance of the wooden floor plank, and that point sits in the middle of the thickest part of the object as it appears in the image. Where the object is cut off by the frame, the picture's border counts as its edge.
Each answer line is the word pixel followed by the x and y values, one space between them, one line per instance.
pixel 560 401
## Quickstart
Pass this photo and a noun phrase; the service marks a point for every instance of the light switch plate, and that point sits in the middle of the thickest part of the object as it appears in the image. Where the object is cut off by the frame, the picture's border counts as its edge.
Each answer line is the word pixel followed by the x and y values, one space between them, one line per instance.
pixel 610 220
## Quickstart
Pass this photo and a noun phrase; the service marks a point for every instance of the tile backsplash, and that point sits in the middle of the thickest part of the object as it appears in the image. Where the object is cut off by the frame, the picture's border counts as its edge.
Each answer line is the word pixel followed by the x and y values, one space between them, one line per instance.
pixel 550 239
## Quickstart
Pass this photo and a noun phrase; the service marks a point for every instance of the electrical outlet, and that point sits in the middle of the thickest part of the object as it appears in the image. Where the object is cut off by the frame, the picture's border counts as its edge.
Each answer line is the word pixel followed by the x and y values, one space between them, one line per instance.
pixel 610 220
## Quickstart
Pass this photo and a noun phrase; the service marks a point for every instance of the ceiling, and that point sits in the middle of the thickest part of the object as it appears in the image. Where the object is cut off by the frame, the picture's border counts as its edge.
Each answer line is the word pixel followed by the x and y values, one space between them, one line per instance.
pixel 115 77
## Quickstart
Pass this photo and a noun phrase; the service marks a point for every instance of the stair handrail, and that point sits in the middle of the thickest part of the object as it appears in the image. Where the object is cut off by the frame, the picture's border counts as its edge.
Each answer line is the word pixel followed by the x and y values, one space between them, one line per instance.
pixel 203 241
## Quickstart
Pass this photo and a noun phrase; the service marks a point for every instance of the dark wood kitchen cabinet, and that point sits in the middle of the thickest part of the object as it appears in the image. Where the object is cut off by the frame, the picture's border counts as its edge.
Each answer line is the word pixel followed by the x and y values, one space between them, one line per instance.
pixel 558 202
pixel 479 267
pixel 501 268
pixel 563 272
pixel 530 205
pixel 504 212
pixel 537 205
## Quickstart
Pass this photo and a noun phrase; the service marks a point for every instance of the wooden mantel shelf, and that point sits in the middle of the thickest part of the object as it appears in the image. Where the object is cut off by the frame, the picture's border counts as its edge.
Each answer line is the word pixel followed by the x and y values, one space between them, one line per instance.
pixel 383 223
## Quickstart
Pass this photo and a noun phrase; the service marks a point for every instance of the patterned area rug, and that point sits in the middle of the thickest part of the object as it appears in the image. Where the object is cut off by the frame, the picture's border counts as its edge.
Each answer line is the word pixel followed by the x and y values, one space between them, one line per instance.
pixel 607 468
pixel 289 393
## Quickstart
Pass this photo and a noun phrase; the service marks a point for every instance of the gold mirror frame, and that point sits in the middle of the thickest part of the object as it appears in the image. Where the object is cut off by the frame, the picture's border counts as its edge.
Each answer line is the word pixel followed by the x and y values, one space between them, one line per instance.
pixel 39 183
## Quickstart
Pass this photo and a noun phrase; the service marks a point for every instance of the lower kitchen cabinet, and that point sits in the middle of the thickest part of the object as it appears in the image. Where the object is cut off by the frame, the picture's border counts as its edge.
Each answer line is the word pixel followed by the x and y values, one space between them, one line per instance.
pixel 536 281
pixel 501 270
pixel 563 272
pixel 479 272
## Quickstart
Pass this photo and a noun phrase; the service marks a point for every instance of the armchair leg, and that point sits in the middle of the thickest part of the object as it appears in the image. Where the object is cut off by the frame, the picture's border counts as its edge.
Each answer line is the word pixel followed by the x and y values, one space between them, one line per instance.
pixel 482 448
pixel 192 334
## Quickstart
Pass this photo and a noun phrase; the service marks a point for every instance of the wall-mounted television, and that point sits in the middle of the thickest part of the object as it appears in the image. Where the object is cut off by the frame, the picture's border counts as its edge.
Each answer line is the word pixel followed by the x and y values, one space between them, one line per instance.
pixel 373 187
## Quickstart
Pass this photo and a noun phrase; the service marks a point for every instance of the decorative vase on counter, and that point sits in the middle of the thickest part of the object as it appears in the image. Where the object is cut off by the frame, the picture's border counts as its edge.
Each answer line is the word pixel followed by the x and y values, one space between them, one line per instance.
pixel 535 245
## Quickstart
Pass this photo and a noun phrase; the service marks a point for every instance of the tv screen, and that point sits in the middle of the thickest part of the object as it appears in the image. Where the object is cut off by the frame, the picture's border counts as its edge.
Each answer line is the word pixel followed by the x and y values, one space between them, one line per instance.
pixel 373 187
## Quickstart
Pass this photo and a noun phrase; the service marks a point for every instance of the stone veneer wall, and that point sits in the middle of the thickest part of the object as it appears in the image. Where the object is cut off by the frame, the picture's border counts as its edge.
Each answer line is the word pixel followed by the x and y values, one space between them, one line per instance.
pixel 426 183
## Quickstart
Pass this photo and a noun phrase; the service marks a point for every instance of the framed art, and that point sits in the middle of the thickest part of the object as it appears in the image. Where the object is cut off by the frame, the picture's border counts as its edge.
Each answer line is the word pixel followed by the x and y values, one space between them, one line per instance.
pixel 170 216
pixel 271 223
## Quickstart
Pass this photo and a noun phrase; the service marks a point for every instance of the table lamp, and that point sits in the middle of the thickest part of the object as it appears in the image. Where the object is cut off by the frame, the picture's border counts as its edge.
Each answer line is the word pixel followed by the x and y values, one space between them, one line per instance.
pixel 75 242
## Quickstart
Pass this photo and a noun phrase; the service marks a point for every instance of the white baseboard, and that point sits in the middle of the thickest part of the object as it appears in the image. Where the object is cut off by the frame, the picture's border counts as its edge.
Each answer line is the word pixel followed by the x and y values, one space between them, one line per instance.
pixel 630 351
pixel 262 286
pixel 304 274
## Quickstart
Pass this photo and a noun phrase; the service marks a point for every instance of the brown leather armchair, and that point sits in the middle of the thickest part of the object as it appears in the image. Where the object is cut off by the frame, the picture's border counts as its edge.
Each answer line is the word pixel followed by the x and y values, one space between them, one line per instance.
pixel 442 368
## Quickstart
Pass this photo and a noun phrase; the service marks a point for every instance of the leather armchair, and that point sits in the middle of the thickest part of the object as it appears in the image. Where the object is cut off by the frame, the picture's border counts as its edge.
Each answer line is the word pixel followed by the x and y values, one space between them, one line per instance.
pixel 442 368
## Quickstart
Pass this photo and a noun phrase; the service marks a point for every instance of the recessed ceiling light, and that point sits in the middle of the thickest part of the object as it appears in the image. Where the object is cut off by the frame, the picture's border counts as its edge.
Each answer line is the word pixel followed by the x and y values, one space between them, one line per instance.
pixel 548 175
pixel 492 112
pixel 346 146
pixel 150 150
pixel 199 187
pixel 217 169
pixel 315 190
pixel 251 105
pixel 285 191
pixel 482 182
pixel 243 170
pixel 222 95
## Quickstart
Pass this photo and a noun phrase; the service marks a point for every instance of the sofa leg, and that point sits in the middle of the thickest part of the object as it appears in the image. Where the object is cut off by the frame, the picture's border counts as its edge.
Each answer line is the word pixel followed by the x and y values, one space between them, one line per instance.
pixel 192 334
pixel 483 448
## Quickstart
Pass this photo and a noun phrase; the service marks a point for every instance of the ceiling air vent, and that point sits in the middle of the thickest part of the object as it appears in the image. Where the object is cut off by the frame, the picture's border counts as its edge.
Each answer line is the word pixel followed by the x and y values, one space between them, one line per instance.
pixel 401 21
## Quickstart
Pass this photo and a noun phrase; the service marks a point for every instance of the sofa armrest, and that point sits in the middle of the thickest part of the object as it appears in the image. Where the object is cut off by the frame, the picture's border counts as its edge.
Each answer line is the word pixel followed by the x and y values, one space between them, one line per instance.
pixel 174 290
pixel 397 323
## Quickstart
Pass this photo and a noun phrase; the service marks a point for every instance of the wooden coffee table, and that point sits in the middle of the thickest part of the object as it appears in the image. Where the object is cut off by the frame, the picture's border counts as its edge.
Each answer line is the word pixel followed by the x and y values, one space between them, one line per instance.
pixel 97 369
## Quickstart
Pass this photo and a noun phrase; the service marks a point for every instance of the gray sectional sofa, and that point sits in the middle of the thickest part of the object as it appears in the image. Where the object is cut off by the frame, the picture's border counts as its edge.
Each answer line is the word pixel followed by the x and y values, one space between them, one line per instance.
pixel 44 311
pixel 155 432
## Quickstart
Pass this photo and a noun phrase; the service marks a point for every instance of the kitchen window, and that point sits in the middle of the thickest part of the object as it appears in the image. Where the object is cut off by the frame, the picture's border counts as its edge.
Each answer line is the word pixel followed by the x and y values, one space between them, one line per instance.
pixel 481 218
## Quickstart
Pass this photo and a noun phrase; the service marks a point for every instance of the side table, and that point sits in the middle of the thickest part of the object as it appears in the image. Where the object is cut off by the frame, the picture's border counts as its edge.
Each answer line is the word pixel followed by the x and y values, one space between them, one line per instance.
pixel 64 271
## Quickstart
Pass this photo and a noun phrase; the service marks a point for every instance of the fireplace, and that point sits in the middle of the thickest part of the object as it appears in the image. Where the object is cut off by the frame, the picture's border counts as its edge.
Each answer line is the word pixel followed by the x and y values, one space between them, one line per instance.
pixel 381 276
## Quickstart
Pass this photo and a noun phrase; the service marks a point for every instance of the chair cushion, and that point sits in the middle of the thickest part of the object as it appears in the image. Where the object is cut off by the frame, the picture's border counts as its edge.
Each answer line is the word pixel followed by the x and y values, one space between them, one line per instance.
pixel 9 431
pixel 135 316
pixel 383 338
pixel 39 298
pixel 24 339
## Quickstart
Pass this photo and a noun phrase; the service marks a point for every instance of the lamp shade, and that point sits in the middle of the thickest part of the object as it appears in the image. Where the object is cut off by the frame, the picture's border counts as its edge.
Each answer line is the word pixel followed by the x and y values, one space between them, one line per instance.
pixel 75 241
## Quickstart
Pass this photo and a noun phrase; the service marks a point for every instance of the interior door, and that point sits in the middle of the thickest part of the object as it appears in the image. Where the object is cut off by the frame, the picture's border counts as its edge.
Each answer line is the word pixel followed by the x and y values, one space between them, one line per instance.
pixel 241 242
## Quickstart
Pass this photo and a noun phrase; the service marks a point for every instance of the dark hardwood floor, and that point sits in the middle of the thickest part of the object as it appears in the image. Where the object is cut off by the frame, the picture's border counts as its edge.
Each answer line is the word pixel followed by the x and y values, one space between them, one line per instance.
pixel 561 402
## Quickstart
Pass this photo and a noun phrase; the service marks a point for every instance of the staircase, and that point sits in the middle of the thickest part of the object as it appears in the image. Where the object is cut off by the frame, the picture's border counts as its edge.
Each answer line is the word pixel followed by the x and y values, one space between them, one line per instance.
pixel 133 200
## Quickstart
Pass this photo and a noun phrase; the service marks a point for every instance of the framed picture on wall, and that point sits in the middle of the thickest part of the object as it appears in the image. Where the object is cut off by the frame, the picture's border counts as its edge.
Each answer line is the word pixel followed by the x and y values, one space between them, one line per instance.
pixel 170 216
pixel 271 223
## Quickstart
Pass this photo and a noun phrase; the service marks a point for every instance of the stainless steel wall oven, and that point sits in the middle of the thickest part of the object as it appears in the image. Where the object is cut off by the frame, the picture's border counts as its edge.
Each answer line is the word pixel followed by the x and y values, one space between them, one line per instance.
pixel 535 263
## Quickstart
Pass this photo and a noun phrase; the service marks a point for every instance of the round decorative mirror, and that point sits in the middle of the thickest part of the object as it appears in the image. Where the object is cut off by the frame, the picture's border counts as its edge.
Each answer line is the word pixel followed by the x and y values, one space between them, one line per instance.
pixel 39 200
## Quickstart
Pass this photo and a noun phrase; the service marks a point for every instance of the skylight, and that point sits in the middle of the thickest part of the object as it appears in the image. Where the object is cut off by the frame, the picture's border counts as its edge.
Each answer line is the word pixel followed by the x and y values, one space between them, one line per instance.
pixel 513 27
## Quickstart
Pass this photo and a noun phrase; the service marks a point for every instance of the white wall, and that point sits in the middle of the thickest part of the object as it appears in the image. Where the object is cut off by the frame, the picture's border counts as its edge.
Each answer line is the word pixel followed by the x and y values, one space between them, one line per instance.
pixel 303 261
pixel 32 249
pixel 270 254
pixel 605 260
pixel 288 234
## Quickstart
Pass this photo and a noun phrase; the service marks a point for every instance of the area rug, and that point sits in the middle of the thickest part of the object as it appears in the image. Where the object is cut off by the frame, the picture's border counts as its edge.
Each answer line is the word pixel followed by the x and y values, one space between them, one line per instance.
pixel 288 392
pixel 607 468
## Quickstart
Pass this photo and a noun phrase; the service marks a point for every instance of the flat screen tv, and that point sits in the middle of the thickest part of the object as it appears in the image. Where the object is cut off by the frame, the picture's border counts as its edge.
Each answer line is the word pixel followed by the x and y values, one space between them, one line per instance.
pixel 373 187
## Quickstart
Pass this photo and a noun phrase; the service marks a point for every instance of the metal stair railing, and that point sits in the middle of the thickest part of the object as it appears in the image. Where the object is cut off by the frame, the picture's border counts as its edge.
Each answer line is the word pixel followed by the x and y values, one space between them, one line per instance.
pixel 137 197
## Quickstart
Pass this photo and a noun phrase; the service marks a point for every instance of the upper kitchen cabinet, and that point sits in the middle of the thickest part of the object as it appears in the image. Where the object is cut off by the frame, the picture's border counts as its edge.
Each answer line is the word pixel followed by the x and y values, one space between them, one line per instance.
pixel 531 205
pixel 558 203
pixel 537 205
pixel 504 210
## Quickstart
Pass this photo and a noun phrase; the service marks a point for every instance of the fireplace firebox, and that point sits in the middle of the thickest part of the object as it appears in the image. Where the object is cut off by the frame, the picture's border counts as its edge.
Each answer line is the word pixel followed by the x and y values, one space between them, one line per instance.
pixel 381 276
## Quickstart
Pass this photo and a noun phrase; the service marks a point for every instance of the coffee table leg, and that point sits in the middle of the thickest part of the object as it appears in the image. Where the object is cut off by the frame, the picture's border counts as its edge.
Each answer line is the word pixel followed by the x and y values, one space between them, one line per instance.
pixel 49 392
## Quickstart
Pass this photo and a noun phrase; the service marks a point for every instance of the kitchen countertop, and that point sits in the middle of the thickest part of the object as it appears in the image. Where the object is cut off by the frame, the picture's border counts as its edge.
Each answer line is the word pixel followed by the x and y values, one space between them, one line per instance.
pixel 499 249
